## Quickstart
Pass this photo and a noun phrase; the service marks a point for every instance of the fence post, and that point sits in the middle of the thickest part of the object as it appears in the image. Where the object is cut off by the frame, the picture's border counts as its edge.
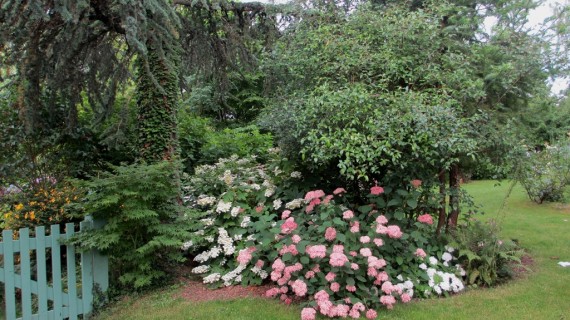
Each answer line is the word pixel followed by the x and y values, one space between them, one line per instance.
pixel 94 266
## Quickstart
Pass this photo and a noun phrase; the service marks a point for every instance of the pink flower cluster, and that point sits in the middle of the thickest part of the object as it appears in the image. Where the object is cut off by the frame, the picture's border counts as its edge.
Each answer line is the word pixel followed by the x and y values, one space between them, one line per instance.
pixel 376 190
pixel 318 251
pixel 426 218
pixel 330 234
pixel 292 249
pixel 420 253
pixel 338 259
pixel 244 256
pixel 416 183
pixel 288 226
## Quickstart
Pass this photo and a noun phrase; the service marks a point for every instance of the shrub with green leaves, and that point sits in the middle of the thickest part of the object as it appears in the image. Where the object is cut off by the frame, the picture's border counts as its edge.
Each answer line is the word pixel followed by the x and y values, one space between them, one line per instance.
pixel 238 198
pixel 545 174
pixel 144 224
pixel 487 259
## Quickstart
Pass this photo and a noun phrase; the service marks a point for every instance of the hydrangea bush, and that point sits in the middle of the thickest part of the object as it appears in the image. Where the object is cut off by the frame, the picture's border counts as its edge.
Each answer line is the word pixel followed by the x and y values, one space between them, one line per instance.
pixel 238 199
pixel 351 262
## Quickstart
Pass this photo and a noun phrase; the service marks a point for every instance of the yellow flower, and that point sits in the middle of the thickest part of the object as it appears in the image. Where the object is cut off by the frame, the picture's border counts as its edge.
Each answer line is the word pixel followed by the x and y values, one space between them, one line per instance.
pixel 19 207
pixel 32 215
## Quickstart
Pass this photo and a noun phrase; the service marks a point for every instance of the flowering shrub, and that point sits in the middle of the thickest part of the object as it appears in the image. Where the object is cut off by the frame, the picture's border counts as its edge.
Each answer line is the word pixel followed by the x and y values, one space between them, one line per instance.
pixel 238 199
pixel 39 204
pixel 350 262
pixel 545 174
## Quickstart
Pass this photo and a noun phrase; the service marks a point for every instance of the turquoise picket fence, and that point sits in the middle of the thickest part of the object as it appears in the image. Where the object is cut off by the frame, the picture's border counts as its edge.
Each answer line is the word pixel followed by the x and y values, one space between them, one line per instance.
pixel 51 286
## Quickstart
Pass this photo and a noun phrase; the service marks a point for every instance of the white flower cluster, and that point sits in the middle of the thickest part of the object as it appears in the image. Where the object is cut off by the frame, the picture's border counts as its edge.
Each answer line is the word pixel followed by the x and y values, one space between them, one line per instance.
pixel 441 281
pixel 228 178
pixel 187 245
pixel 245 222
pixel 235 211
pixel 204 200
pixel 223 206
pixel 207 222
pixel 214 277
pixel 226 242
pixel 260 272
pixel 296 175
pixel 201 269
pixel 295 204
pixel 277 204
pixel 406 286
pixel 234 275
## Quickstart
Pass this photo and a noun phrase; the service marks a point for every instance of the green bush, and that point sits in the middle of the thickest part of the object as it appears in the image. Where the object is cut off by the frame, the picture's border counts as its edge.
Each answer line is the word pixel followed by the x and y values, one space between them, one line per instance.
pixel 545 174
pixel 144 222
pixel 241 141
pixel 486 258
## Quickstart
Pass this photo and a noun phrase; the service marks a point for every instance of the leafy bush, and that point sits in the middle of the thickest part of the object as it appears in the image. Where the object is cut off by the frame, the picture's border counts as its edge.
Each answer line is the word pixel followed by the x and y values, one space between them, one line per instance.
pixel 238 198
pixel 544 174
pixel 144 222
pixel 346 262
pixel 42 202
pixel 487 259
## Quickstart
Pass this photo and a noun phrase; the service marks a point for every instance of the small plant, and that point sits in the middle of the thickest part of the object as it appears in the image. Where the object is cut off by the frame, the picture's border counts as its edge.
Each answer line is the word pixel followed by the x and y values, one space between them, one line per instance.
pixel 144 222
pixel 544 174
pixel 487 259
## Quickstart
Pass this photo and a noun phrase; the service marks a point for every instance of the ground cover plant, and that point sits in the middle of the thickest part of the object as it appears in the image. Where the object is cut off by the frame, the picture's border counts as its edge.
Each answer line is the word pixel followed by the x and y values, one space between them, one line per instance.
pixel 539 293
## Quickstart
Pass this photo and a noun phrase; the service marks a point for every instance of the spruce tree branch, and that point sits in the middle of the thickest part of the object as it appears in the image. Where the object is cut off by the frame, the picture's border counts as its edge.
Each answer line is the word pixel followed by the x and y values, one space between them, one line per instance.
pixel 229 6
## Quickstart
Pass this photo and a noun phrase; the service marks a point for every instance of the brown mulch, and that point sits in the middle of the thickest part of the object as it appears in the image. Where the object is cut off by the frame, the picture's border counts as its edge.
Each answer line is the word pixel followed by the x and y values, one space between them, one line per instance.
pixel 196 291
pixel 527 262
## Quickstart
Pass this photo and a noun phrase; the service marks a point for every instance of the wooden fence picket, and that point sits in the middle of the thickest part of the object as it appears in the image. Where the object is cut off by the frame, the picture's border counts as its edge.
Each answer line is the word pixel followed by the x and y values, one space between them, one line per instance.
pixel 45 282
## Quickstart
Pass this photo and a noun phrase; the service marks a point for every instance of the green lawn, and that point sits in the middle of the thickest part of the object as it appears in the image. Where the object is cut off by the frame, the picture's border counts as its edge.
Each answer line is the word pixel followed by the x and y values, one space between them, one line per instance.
pixel 544 293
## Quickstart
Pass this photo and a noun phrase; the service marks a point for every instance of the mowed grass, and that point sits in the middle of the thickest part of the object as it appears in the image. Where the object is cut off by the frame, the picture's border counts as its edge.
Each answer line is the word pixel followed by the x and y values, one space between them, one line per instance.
pixel 543 293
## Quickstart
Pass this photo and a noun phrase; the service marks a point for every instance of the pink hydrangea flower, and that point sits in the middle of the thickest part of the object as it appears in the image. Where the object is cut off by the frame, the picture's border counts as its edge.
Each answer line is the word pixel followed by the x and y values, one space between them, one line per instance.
pixel 275 275
pixel 347 215
pixel 284 289
pixel 299 287
pixel 335 286
pixel 394 232
pixel 354 314
pixel 405 298
pixel 296 238
pixel 359 306
pixel 353 253
pixel 318 251
pixel 244 256
pixel 309 208
pixel 376 190
pixel 322 296
pixel 381 219
pixel 330 276
pixel 388 301
pixel 364 239
pixel 288 226
pixel 387 287
pixel 354 266
pixel 310 274
pixel 316 268
pixel 278 265
pixel 350 288
pixel 342 310
pixel 330 233
pixel 338 259
pixel 260 264
pixel 314 195
pixel 365 252
pixel 338 191
pixel 379 242
pixel 308 314
pixel 315 202
pixel 328 199
pixel 420 253
pixel 325 306
pixel 271 293
pixel 372 272
pixel 338 248
pixel 285 214
pixel 382 276
pixel 354 226
pixel 380 229
pixel 416 183
pixel 426 218
pixel 371 314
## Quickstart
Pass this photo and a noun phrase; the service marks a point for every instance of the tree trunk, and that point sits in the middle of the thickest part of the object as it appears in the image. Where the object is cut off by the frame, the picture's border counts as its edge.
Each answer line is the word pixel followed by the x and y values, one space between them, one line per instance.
pixel 157 103
pixel 442 219
pixel 453 198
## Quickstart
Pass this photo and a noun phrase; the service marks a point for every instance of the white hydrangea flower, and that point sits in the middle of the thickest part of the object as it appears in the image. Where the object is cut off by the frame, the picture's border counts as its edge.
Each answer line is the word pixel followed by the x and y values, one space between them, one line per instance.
pixel 245 222
pixel 227 178
pixel 201 269
pixel 296 175
pixel 209 238
pixel 205 201
pixel 295 204
pixel 215 252
pixel 255 186
pixel 447 257
pixel 423 266
pixel 223 206
pixel 269 192
pixel 235 211
pixel 433 261
pixel 237 237
pixel 208 221
pixel 449 249
pixel 251 237
pixel 202 257
pixel 277 204
pixel 187 245
pixel 214 277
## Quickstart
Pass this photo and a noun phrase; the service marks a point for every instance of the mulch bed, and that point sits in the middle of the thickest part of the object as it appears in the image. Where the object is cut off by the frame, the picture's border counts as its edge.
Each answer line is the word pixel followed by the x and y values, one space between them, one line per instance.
pixel 198 292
